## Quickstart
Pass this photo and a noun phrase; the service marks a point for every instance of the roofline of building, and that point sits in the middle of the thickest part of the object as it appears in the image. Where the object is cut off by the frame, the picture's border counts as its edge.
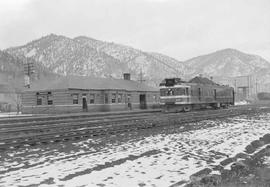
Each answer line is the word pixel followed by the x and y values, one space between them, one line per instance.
pixel 45 90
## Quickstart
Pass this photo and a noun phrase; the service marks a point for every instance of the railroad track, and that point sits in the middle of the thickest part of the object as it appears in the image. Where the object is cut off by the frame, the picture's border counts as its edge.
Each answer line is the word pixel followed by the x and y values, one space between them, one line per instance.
pixel 40 131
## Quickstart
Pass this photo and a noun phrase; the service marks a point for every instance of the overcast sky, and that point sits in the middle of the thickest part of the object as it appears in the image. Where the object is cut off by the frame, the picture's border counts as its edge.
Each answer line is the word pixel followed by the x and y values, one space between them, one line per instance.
pixel 178 28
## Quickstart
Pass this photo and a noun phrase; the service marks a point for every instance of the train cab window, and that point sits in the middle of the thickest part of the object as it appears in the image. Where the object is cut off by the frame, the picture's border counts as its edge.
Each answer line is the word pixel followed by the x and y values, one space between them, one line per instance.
pixel 92 98
pixel 119 98
pixel 170 92
pixel 177 91
pixel 113 98
pixel 39 100
pixel 75 98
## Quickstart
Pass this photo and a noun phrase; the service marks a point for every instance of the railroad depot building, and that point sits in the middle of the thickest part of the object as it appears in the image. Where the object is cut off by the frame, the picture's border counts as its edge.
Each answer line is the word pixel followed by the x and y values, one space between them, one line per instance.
pixel 87 94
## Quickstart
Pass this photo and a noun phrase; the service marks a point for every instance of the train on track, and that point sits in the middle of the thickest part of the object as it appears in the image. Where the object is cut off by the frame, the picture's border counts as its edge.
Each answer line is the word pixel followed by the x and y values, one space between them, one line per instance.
pixel 177 95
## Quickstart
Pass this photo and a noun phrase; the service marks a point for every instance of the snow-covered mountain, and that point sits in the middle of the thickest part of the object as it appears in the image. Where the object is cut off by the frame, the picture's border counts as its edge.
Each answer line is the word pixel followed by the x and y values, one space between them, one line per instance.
pixel 65 56
pixel 226 63
pixel 87 56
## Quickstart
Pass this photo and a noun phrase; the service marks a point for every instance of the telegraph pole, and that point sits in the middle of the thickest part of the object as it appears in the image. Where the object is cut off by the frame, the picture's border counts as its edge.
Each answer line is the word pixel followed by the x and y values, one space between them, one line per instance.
pixel 256 88
pixel 28 71
pixel 141 77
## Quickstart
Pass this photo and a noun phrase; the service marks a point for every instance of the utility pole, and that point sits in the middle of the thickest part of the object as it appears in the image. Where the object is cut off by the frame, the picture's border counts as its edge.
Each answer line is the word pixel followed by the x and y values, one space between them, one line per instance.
pixel 256 88
pixel 28 71
pixel 141 77
pixel 236 92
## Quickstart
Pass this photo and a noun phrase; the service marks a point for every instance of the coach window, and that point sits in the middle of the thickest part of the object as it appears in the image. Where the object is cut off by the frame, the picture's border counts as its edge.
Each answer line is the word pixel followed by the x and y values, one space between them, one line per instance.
pixel 180 91
pixel 75 98
pixel 49 98
pixel 120 96
pixel 39 99
pixel 92 98
pixel 113 98
pixel 186 91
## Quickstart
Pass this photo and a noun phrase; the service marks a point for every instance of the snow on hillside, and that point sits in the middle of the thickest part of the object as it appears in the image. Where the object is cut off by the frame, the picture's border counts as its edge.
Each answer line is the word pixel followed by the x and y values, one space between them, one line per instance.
pixel 91 57
pixel 226 63
pixel 87 56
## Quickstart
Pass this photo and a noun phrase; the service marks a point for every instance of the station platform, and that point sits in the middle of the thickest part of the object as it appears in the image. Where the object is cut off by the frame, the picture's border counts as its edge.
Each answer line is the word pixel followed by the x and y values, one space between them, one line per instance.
pixel 18 117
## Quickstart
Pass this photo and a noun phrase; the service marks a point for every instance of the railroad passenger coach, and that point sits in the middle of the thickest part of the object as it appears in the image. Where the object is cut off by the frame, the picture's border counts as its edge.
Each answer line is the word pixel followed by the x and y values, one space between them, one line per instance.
pixel 88 94
pixel 178 95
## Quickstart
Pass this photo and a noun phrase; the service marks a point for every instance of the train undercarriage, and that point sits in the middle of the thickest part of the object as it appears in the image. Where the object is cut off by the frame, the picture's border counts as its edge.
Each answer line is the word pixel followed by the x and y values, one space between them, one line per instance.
pixel 189 107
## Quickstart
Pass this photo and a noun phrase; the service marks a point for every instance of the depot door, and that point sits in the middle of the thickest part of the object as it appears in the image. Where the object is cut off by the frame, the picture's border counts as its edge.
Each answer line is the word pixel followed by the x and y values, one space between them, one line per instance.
pixel 84 104
pixel 142 101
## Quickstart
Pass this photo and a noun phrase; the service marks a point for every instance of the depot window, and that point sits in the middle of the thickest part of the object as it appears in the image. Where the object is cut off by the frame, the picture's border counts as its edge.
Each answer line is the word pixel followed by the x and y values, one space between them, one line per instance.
pixel 75 98
pixel 50 98
pixel 113 98
pixel 106 98
pixel 92 98
pixel 120 97
pixel 128 98
pixel 39 99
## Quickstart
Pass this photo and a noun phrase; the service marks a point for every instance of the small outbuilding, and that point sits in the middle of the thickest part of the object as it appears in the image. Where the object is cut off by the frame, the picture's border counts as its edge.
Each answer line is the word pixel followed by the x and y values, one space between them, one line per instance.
pixel 10 100
pixel 86 94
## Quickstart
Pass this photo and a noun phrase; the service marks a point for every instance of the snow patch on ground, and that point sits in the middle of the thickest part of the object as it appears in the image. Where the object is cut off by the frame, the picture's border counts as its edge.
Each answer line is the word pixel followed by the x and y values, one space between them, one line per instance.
pixel 241 103
pixel 13 114
pixel 179 155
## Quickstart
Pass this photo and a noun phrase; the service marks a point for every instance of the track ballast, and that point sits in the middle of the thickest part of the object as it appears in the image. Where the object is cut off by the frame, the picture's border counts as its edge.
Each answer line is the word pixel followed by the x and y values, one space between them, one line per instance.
pixel 15 133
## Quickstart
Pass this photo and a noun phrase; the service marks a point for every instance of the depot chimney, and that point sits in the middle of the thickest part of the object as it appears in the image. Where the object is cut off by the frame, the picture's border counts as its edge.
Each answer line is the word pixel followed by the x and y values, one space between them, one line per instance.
pixel 126 76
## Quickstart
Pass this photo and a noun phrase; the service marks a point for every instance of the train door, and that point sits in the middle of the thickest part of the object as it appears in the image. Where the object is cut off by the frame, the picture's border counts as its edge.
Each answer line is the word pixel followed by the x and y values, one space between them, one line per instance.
pixel 142 101
pixel 84 103
pixel 233 94
pixel 215 94
pixel 128 99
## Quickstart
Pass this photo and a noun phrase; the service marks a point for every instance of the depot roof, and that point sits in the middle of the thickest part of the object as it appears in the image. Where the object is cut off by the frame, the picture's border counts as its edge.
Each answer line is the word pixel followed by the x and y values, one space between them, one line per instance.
pixel 88 83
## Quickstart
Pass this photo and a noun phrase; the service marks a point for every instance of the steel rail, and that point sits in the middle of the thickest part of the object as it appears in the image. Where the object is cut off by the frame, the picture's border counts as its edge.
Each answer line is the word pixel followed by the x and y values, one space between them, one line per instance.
pixel 35 126
pixel 103 130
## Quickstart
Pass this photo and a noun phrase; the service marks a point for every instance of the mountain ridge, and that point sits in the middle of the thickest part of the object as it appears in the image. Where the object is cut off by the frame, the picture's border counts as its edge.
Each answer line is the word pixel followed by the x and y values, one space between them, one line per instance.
pixel 84 55
pixel 87 56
